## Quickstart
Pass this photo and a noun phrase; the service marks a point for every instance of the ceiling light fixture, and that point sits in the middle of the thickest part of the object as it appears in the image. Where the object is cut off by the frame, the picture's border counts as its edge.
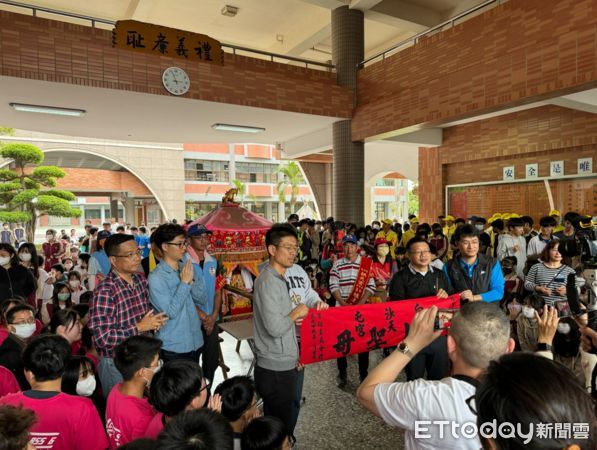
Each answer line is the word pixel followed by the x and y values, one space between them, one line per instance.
pixel 229 11
pixel 237 128
pixel 48 110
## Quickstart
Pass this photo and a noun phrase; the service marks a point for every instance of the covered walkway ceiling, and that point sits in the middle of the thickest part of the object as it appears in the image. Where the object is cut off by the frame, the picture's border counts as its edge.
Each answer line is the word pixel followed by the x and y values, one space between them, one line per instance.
pixel 298 28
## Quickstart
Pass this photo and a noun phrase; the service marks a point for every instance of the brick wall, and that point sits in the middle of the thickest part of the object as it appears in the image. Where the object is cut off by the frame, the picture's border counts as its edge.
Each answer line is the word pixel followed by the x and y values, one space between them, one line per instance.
pixel 103 180
pixel 49 50
pixel 518 52
pixel 478 151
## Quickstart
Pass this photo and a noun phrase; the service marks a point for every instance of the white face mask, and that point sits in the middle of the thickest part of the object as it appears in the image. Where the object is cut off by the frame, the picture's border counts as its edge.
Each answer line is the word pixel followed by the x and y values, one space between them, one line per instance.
pixel 375 227
pixel 68 267
pixel 86 387
pixel 4 260
pixel 74 283
pixel 383 250
pixel 25 257
pixel 528 312
pixel 24 330
pixel 563 328
pixel 479 226
pixel 155 370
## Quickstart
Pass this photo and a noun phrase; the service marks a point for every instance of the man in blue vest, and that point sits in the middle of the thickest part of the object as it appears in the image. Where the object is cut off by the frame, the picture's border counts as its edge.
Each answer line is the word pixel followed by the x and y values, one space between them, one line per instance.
pixel 204 265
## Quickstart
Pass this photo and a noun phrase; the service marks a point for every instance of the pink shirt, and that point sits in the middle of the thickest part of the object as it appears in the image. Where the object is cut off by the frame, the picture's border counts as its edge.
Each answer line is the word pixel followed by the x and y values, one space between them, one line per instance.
pixel 127 417
pixel 155 427
pixel 64 422
pixel 8 382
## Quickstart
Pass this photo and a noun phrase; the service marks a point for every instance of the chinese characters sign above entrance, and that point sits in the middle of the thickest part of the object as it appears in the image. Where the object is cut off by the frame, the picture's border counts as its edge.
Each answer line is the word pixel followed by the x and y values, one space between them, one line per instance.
pixel 158 40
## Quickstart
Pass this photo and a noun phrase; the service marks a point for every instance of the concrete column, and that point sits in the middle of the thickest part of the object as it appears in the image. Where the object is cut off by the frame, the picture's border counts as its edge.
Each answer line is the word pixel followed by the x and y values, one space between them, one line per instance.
pixel 114 206
pixel 129 211
pixel 349 157
pixel 231 163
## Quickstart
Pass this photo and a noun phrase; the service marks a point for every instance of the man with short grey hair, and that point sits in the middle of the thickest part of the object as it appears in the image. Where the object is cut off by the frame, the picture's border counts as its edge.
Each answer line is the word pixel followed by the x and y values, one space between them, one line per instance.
pixel 428 410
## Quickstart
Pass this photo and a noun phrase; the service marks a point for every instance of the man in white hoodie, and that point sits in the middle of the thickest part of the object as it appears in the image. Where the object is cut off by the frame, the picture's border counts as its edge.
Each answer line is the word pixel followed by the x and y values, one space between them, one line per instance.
pixel 514 244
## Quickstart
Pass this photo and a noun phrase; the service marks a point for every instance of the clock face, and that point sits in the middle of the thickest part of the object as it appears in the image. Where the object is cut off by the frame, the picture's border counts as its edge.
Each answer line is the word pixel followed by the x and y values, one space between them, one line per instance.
pixel 176 81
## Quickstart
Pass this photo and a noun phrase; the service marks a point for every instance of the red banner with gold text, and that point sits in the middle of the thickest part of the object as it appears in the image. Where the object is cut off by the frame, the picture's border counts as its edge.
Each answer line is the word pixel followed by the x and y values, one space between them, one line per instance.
pixel 346 330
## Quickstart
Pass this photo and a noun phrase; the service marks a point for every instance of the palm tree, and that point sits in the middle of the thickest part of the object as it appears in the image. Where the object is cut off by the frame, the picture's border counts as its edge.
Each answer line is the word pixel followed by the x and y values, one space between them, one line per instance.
pixel 293 178
pixel 241 190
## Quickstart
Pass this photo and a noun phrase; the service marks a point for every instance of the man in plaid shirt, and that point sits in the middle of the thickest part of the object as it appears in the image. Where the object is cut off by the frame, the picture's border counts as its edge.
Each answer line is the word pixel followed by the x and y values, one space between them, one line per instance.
pixel 120 306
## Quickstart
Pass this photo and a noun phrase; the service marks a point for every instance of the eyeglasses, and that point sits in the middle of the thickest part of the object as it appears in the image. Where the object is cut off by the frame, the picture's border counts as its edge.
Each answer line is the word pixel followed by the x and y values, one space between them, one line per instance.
pixel 207 386
pixel 23 322
pixel 183 244
pixel 421 253
pixel 130 255
pixel 289 248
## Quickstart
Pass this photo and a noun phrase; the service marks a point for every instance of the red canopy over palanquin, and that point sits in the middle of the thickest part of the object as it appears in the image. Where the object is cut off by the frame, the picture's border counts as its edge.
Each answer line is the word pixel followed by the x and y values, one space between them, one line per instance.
pixel 238 236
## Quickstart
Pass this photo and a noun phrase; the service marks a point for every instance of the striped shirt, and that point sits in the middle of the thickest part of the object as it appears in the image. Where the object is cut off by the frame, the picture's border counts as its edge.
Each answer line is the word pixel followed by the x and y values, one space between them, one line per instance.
pixel 541 275
pixel 344 275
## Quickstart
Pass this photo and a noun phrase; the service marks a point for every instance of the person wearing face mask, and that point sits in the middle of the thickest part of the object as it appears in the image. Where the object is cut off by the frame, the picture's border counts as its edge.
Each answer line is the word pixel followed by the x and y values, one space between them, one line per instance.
pixel 21 324
pixel 52 249
pixel 513 244
pixel 128 411
pixel 388 235
pixel 512 282
pixel 68 265
pixel 80 379
pixel 384 267
pixel 15 280
pixel 484 239
pixel 527 330
pixel 439 241
pixel 29 259
pixel 76 286
pixel 566 347
pixel 64 422
pixel 61 299
pixel 179 386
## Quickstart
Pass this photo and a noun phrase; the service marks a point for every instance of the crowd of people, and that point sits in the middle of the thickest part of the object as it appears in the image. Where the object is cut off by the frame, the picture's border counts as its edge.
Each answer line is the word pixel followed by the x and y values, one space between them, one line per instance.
pixel 110 339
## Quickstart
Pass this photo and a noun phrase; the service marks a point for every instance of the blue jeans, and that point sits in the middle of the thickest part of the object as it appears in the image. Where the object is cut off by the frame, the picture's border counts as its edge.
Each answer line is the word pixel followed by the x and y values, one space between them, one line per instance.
pixel 108 374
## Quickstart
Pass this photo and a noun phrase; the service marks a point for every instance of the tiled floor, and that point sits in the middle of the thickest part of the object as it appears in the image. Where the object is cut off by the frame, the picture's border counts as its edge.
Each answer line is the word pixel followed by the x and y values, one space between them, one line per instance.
pixel 330 418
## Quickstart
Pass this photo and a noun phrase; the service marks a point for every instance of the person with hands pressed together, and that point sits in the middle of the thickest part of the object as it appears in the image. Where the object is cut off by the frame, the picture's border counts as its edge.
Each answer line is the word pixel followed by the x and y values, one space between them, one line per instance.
pixel 476 276
pixel 120 306
pixel 274 322
pixel 419 280
pixel 343 281
pixel 174 290
pixel 479 333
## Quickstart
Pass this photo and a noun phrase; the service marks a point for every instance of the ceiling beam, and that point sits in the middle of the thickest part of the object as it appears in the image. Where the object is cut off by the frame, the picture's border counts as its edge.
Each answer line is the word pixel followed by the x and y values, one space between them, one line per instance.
pixel 304 43
pixel 404 15
pixel 363 5
pixel 329 4
pixel 140 10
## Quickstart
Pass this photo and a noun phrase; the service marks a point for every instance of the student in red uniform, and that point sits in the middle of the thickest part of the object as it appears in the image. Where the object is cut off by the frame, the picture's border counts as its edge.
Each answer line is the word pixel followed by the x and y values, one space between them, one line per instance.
pixel 128 412
pixel 178 387
pixel 64 422
pixel 14 428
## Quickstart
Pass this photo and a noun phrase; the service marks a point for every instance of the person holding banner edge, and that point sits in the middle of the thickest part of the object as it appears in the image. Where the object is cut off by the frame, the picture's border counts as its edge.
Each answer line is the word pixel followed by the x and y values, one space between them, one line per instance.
pixel 352 283
pixel 419 280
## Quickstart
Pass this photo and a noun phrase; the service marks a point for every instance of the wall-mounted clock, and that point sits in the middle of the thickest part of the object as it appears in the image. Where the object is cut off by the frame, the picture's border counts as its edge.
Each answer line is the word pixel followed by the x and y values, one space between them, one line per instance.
pixel 176 81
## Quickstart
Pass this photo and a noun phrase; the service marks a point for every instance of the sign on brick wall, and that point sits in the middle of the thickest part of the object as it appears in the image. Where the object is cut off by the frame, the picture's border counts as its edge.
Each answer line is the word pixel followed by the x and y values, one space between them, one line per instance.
pixel 556 169
pixel 532 171
pixel 585 165
pixel 509 173
pixel 164 41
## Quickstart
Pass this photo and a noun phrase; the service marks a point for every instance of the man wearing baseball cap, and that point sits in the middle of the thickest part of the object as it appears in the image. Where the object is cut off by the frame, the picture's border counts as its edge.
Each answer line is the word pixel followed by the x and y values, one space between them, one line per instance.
pixel 351 283
pixel 387 234
pixel 558 218
pixel 206 266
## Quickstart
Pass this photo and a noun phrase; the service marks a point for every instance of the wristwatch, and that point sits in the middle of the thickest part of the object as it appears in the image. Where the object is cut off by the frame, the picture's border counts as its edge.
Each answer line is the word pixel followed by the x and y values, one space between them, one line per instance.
pixel 543 347
pixel 403 348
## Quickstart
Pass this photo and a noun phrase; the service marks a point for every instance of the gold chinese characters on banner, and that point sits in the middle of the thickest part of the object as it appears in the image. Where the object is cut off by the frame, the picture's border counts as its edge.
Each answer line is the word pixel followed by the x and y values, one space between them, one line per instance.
pixel 158 40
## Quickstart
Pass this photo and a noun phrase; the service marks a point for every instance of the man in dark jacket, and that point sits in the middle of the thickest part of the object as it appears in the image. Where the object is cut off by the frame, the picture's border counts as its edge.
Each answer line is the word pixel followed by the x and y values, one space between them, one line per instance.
pixel 475 276
pixel 417 280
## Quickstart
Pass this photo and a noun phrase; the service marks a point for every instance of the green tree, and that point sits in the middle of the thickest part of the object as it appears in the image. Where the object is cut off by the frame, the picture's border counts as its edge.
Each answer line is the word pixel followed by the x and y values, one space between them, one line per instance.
pixel 413 200
pixel 27 192
pixel 293 178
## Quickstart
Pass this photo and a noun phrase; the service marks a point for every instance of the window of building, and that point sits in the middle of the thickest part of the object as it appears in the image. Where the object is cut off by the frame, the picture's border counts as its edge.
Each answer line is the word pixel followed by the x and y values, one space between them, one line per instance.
pixel 205 170
pixel 93 213
pixel 380 210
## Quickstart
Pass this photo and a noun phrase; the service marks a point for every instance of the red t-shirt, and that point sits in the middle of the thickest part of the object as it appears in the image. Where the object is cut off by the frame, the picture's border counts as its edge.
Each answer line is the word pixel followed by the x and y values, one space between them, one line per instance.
pixel 8 382
pixel 155 427
pixel 127 417
pixel 64 422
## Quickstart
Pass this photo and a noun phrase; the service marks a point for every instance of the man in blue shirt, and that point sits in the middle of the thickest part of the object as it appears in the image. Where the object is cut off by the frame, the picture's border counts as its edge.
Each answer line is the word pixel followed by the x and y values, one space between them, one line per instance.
pixel 142 240
pixel 476 276
pixel 206 267
pixel 174 290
